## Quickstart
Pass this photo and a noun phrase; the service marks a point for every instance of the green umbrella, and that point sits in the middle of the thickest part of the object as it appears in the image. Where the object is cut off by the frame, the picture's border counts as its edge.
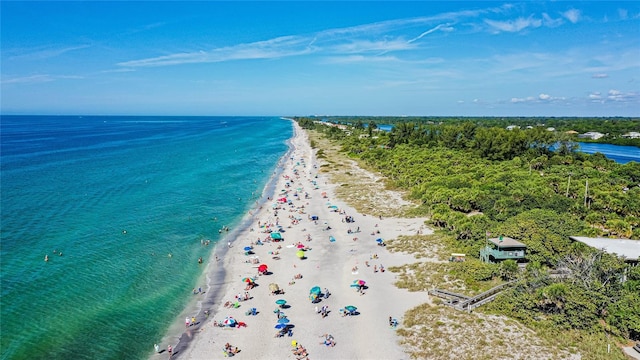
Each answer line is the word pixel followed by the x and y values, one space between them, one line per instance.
pixel 300 254
pixel 281 301
pixel 350 308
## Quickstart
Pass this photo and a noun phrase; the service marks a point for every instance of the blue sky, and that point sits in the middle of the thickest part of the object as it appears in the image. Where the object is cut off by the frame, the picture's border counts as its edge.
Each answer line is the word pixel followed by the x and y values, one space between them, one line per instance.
pixel 431 58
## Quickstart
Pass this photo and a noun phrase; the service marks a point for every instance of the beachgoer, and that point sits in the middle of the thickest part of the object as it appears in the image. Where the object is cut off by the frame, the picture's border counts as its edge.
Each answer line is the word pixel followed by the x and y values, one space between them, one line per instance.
pixel 193 320
pixel 46 258
pixel 155 346
pixel 187 322
pixel 229 244
pixel 170 350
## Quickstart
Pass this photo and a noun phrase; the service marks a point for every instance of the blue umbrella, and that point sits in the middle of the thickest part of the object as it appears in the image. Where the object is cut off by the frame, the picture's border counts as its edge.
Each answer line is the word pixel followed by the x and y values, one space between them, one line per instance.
pixel 350 308
pixel 379 240
pixel 247 248
pixel 283 320
pixel 315 290
pixel 281 301
pixel 281 326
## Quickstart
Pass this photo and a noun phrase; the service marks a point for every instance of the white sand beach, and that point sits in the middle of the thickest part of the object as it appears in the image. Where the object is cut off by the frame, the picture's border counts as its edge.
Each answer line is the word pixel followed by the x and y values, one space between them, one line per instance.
pixel 329 265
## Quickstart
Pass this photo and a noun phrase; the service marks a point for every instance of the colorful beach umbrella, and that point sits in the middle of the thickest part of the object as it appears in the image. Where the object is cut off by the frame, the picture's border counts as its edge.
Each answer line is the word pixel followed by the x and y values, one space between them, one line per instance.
pixel 315 290
pixel 229 321
pixel 359 282
pixel 247 280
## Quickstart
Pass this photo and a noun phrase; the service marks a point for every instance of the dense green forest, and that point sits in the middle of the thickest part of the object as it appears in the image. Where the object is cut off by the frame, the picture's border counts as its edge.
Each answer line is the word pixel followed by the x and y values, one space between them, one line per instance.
pixel 612 127
pixel 471 179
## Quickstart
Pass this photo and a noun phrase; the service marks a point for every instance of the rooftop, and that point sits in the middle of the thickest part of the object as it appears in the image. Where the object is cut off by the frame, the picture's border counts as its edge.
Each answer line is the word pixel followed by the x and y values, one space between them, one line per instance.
pixel 505 242
pixel 630 249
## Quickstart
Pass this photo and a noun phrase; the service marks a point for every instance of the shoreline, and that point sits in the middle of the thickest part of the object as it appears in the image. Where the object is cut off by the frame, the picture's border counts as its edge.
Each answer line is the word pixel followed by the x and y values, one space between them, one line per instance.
pixel 332 265
pixel 215 272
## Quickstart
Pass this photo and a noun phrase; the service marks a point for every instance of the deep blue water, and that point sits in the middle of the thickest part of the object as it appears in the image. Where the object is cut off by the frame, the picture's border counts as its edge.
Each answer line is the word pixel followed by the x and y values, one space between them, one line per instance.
pixel 117 195
pixel 617 153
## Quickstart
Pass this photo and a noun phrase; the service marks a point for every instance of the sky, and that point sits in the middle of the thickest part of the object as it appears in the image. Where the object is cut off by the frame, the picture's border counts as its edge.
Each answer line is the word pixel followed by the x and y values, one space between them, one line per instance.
pixel 294 58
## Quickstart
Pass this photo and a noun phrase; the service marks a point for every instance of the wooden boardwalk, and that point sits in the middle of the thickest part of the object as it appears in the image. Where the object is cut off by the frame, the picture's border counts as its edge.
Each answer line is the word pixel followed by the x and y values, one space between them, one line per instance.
pixel 465 303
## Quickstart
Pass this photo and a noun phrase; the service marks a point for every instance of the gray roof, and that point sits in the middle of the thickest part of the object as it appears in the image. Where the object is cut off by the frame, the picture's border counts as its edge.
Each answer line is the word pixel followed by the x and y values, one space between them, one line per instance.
pixel 630 249
pixel 507 242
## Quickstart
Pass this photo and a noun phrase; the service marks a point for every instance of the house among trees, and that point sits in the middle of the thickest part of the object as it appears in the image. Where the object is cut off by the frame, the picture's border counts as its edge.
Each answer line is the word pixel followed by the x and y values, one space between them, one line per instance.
pixel 593 135
pixel 503 248
pixel 632 135
pixel 628 249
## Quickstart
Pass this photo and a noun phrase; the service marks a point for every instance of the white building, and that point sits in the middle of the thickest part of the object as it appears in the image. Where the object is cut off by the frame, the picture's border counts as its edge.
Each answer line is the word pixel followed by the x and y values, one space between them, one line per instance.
pixel 632 135
pixel 593 135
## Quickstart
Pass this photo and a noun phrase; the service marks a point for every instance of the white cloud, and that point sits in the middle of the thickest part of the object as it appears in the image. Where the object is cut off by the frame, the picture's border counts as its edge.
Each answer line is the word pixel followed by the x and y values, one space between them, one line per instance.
pixel 514 25
pixel 600 76
pixel 352 59
pixel 550 22
pixel 623 13
pixel 595 96
pixel 38 79
pixel 446 27
pixel 44 53
pixel 544 97
pixel 572 15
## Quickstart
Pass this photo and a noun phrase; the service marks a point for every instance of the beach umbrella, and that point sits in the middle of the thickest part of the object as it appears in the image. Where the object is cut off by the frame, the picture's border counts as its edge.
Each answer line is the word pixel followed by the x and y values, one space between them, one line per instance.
pixel 263 267
pixel 276 236
pixel 229 321
pixel 274 287
pixel 300 254
pixel 379 241
pixel 300 246
pixel 359 282
pixel 247 280
pixel 283 320
pixel 281 301
pixel 315 290
pixel 248 248
pixel 350 308
pixel 280 326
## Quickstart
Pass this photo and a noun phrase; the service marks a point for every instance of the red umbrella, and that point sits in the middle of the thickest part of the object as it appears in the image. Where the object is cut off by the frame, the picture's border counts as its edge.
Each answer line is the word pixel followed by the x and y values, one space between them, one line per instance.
pixel 262 267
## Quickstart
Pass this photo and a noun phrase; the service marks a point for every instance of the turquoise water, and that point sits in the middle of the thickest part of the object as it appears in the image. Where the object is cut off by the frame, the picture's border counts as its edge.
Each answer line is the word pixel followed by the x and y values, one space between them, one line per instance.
pixel 117 195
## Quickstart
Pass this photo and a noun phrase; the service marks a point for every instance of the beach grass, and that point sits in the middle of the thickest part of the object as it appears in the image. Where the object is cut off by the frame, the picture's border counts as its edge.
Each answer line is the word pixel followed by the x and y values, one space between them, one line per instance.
pixel 358 185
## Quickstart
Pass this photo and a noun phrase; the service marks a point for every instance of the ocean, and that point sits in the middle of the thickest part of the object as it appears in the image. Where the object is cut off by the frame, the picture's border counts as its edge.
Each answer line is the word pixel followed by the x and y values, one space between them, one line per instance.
pixel 123 207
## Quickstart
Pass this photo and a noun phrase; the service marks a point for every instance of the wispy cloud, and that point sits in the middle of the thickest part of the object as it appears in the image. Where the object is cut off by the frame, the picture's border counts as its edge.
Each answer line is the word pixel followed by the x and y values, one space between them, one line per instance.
pixel 380 37
pixel 42 53
pixel 572 15
pixel 36 79
pixel 516 25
